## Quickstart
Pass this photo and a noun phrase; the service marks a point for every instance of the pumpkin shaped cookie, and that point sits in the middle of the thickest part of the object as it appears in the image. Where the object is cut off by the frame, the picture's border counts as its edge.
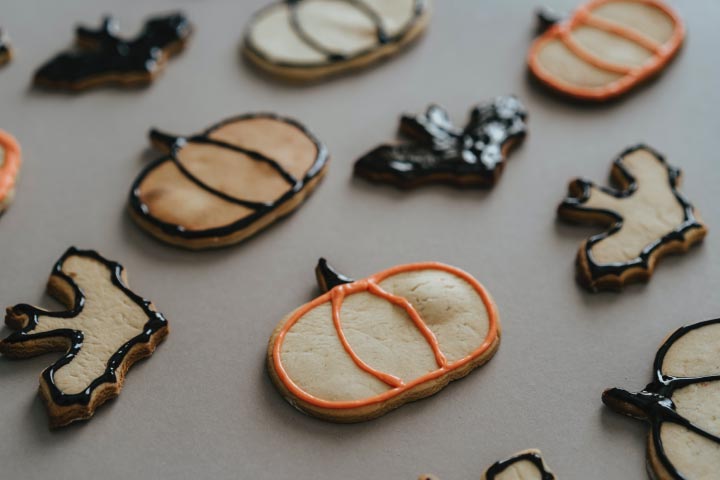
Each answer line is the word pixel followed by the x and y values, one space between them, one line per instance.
pixel 607 47
pixel 221 186
pixel 9 168
pixel 680 405
pixel 366 347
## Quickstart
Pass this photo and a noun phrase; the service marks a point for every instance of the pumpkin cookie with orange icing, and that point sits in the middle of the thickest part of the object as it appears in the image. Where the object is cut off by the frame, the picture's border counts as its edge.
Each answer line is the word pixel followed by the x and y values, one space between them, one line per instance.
pixel 647 217
pixel 9 168
pixel 227 183
pixel 606 47
pixel 365 347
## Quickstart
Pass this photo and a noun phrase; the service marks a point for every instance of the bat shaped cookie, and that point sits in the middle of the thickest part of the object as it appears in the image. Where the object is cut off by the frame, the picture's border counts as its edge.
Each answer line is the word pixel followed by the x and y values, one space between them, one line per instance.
pixel 647 218
pixel 102 58
pixel 439 152
pixel 606 47
pixel 526 465
pixel 10 160
pixel 365 347
pixel 227 183
pixel 104 331
pixel 306 40
pixel 680 405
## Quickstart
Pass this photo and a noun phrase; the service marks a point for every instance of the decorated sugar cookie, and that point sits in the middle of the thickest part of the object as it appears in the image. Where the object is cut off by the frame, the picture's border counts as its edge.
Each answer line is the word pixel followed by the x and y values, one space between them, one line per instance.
pixel 9 168
pixel 102 58
pixel 526 465
pixel 439 152
pixel 5 48
pixel 306 40
pixel 105 328
pixel 680 405
pixel 647 218
pixel 365 347
pixel 606 47
pixel 227 183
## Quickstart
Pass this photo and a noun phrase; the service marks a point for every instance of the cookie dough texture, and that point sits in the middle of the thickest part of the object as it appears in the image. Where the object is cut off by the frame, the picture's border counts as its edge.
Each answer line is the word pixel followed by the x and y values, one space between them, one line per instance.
pixel 313 39
pixel 383 335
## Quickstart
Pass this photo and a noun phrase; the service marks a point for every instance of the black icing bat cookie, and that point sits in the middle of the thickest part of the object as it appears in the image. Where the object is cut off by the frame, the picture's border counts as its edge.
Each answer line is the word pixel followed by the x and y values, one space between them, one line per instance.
pixel 681 405
pixel 104 330
pixel 440 152
pixel 102 58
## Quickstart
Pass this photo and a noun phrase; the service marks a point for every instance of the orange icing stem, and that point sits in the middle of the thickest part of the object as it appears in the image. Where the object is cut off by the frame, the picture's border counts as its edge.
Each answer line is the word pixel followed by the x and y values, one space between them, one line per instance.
pixel 337 294
pixel 10 166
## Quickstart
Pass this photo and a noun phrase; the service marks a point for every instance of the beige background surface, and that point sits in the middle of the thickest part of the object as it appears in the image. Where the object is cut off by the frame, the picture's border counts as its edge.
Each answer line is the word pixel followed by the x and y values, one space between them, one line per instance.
pixel 203 406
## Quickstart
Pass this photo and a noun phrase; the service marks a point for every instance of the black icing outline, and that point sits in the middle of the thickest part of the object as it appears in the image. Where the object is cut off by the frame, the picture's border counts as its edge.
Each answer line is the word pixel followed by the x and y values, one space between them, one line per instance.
pixel 156 322
pixel 440 152
pixel 498 467
pixel 101 52
pixel 655 400
pixel 261 209
pixel 5 48
pixel 576 203
pixel 420 8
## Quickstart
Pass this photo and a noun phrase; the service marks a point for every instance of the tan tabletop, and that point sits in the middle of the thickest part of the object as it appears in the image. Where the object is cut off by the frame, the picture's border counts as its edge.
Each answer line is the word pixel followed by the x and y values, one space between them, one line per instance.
pixel 203 406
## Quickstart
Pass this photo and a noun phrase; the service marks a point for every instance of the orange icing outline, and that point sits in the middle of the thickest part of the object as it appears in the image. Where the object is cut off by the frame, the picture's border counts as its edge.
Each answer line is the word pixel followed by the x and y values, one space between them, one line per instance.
pixel 11 165
pixel 662 53
pixel 370 284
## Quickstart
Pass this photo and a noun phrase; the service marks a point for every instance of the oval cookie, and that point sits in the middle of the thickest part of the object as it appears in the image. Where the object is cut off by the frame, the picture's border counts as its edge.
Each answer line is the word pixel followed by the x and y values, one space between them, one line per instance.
pixel 368 346
pixel 607 47
pixel 219 187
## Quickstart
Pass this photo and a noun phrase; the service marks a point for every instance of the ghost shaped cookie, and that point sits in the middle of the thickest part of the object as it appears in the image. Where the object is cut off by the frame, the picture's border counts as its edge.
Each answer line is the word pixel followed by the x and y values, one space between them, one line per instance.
pixel 525 465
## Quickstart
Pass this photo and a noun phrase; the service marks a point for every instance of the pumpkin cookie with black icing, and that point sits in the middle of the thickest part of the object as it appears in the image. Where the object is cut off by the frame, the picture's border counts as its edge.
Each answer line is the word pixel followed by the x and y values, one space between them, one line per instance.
pixel 227 183
pixel 680 405
pixel 5 49
pixel 305 40
pixel 606 48
pixel 104 331
pixel 10 160
pixel 526 465
pixel 365 347
pixel 439 152
pixel 103 58
pixel 647 218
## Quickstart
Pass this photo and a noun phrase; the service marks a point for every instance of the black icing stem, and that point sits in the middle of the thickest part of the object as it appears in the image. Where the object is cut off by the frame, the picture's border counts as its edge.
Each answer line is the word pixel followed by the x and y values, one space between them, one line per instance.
pixel 163 141
pixel 327 277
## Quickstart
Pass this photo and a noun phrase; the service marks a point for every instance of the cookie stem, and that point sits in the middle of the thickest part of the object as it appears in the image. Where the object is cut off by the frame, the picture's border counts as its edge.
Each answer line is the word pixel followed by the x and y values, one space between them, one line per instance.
pixel 328 278
pixel 163 141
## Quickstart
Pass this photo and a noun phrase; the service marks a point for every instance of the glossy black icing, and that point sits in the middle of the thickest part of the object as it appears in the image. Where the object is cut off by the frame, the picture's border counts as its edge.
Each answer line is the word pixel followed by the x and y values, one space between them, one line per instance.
pixel 577 202
pixel 175 144
pixel 329 278
pixel 654 403
pixel 156 322
pixel 100 52
pixel 332 56
pixel 439 152
pixel 532 457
